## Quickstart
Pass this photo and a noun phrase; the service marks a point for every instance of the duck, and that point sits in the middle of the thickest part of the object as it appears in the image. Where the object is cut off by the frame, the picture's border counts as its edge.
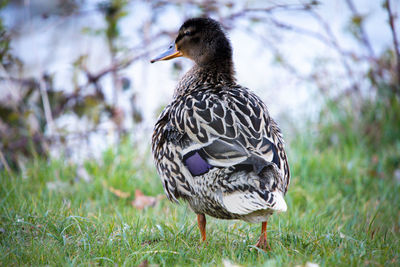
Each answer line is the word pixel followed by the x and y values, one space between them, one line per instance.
pixel 215 146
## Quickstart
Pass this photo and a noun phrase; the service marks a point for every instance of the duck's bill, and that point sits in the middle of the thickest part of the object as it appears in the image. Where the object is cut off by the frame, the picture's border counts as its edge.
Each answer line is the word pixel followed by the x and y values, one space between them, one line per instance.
pixel 172 52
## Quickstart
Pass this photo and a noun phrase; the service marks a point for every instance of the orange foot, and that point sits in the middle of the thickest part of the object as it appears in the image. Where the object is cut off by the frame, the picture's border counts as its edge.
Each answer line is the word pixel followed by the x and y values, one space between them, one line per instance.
pixel 262 242
pixel 201 221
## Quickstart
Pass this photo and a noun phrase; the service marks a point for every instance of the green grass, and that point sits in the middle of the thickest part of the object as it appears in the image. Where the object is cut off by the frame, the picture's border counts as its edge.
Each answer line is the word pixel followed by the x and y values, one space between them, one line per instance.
pixel 340 214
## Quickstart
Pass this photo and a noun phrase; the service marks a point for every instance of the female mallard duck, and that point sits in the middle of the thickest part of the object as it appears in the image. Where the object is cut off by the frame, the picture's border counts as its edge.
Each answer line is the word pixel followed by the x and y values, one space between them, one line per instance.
pixel 215 145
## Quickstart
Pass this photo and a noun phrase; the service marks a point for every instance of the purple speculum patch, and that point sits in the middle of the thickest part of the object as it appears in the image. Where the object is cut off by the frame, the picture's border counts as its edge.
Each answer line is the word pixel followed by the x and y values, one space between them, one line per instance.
pixel 196 164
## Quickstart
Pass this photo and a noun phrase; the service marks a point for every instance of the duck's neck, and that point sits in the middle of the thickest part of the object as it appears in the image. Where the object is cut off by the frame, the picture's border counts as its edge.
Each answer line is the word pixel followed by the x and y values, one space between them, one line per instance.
pixel 217 73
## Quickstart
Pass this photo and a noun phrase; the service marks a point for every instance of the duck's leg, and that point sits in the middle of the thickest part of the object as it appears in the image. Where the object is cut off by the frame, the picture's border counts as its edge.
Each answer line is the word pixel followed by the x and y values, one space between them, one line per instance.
pixel 262 242
pixel 201 221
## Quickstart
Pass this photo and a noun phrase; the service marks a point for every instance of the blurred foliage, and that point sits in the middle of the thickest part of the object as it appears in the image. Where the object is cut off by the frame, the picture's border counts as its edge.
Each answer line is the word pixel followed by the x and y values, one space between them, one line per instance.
pixel 26 127
pixel 113 12
pixel 7 59
pixel 372 122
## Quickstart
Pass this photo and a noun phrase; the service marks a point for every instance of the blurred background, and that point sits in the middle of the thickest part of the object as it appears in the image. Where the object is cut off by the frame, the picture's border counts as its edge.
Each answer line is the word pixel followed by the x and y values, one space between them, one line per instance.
pixel 76 78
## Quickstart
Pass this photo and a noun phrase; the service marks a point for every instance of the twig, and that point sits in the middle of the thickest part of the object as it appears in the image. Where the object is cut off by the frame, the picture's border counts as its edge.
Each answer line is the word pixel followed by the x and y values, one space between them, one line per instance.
pixel 395 41
pixel 116 66
pixel 5 164
pixel 46 105
pixel 303 31
pixel 337 47
pixel 364 36
pixel 29 82
pixel 286 7
pixel 276 51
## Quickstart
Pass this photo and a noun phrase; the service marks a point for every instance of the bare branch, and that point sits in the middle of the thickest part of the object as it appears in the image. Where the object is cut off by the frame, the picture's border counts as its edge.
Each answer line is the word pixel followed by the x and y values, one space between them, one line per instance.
pixel 394 35
pixel 338 48
pixel 5 164
pixel 46 106
pixel 330 39
pixel 271 9
pixel 364 36
pixel 28 82
pixel 119 64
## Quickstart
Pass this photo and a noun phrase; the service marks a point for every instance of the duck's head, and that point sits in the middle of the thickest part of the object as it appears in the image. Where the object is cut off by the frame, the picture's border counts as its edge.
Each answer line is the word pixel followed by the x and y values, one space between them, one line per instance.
pixel 202 40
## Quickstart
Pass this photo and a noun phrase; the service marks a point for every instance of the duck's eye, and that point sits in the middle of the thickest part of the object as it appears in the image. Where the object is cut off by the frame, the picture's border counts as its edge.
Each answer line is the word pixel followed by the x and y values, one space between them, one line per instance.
pixel 187 33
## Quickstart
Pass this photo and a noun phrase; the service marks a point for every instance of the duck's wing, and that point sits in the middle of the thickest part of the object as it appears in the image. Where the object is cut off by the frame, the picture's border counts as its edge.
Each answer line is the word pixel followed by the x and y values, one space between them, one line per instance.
pixel 224 128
